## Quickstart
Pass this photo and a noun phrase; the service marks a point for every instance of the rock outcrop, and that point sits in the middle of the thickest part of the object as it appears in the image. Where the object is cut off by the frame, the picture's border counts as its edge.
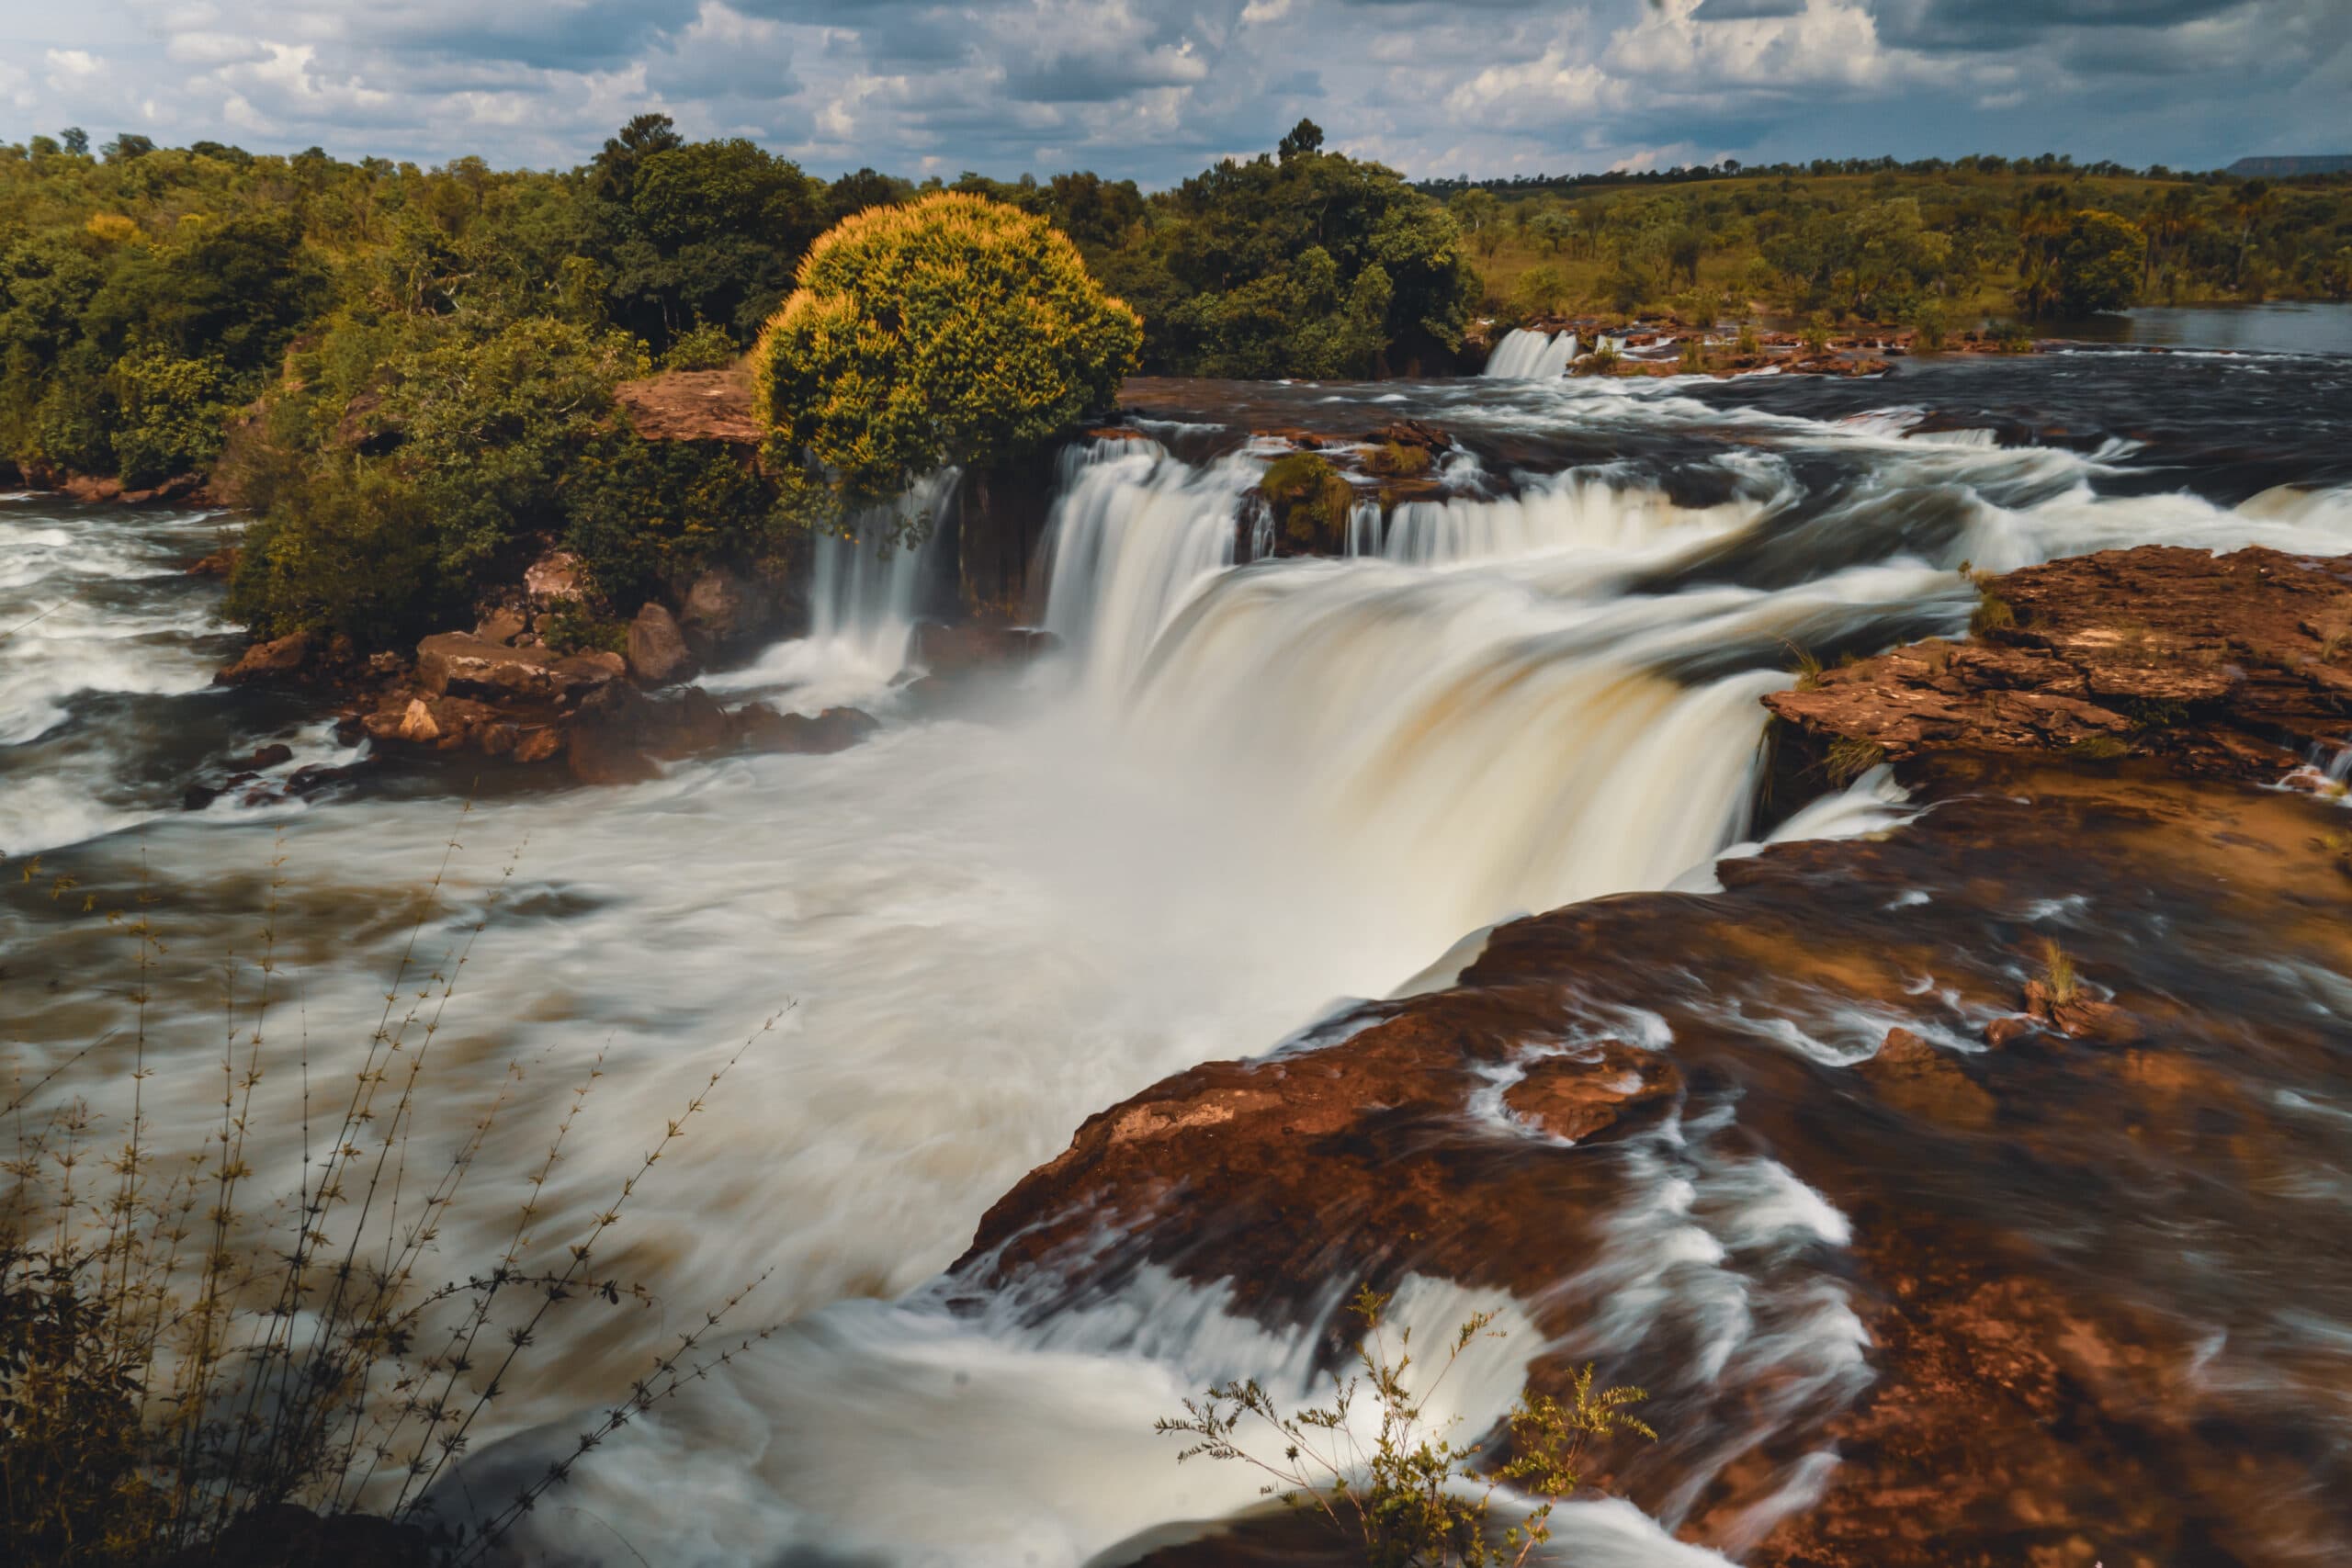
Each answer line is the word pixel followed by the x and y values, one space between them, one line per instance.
pixel 2232 666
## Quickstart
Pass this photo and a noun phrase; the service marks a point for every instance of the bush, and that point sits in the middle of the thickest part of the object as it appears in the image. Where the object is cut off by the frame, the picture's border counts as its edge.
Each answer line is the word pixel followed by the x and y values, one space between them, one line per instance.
pixel 1309 500
pixel 644 515
pixel 953 331
pixel 705 348
pixel 1416 1498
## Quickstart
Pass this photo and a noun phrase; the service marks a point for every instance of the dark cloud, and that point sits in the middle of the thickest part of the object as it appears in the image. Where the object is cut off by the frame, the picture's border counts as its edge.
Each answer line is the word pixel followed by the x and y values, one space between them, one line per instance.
pixel 1156 88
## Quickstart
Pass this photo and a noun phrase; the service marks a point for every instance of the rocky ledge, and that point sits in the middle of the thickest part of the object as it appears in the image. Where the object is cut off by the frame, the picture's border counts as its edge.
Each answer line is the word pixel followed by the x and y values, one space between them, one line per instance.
pixel 2236 666
pixel 1878 1168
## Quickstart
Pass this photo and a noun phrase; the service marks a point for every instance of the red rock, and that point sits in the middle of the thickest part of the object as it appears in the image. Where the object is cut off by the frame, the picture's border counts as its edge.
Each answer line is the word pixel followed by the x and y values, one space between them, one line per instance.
pixel 693 405
pixel 1576 1097
pixel 284 656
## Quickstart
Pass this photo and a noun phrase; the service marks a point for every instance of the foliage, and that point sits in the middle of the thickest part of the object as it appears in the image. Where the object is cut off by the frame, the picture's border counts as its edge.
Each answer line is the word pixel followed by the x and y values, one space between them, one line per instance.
pixel 2100 258
pixel 170 414
pixel 955 330
pixel 1413 1497
pixel 171 1361
pixel 1849 758
pixel 1309 500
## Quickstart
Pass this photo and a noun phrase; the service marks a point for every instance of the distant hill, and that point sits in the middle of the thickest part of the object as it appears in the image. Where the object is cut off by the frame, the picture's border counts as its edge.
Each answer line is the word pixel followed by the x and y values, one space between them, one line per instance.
pixel 2327 163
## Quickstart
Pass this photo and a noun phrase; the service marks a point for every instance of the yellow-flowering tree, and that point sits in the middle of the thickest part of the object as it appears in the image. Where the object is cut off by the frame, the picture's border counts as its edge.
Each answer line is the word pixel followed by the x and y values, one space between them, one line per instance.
pixel 954 330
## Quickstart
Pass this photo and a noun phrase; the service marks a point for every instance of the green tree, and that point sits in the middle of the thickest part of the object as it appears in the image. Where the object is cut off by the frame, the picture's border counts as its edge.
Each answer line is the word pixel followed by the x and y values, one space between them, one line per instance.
pixel 952 330
pixel 2099 261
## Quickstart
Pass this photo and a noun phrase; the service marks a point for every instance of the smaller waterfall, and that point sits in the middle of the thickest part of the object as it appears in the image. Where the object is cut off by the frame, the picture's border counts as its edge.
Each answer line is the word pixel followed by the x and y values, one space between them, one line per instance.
pixel 1135 534
pixel 1524 355
pixel 863 588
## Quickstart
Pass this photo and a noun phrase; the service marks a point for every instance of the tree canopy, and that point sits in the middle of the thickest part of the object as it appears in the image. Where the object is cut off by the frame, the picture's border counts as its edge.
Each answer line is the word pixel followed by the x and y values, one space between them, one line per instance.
pixel 953 331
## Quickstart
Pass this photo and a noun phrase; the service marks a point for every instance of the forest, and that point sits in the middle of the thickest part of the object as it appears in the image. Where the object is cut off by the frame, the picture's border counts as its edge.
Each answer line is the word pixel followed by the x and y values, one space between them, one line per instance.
pixel 406 373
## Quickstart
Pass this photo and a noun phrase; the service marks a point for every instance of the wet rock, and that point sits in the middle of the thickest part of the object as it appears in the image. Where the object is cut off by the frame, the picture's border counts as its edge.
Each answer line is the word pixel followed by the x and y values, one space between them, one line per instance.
pixel 1926 1083
pixel 538 744
pixel 657 646
pixel 219 563
pixel 761 728
pixel 2079 1016
pixel 272 755
pixel 1578 1096
pixel 197 797
pixel 621 735
pixel 282 656
pixel 312 777
pixel 973 647
pixel 723 610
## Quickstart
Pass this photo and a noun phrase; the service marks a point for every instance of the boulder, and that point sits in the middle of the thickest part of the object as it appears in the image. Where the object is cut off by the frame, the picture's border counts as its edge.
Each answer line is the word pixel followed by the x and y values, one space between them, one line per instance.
pixel 502 626
pixel 553 578
pixel 282 656
pixel 219 563
pixel 620 734
pixel 723 610
pixel 461 664
pixel 759 727
pixel 271 756
pixel 657 647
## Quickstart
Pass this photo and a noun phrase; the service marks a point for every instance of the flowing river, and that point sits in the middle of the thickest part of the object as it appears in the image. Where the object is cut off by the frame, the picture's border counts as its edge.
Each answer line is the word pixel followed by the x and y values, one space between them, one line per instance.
pixel 1243 797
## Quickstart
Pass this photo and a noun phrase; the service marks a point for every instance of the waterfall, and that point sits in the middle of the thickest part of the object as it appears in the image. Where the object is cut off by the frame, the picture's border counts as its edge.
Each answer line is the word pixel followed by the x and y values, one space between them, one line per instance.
pixel 1134 534
pixel 864 582
pixel 1484 739
pixel 1526 355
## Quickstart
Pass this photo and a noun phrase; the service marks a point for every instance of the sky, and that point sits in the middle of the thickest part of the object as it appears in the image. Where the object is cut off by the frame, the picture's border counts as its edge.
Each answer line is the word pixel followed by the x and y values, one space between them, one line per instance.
pixel 1158 89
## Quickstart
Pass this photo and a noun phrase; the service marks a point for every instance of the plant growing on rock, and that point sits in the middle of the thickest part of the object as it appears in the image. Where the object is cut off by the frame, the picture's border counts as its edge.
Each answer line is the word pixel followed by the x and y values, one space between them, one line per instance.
pixel 1309 500
pixel 955 330
pixel 1411 1495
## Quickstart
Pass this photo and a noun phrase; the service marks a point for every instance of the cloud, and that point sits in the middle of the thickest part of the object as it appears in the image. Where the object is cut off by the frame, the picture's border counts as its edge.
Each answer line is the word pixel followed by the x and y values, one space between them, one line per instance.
pixel 1157 88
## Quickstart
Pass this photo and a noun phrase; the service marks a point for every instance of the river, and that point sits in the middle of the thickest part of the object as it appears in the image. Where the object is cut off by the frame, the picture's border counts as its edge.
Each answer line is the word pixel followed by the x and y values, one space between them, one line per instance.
pixel 1245 797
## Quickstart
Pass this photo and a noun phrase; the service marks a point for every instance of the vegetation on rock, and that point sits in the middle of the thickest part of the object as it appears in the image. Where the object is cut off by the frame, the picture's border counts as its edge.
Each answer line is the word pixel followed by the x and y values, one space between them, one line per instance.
pixel 954 332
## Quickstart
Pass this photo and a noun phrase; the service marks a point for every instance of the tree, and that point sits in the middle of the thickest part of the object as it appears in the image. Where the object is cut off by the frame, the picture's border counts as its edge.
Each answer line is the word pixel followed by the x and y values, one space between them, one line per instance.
pixel 955 330
pixel 1305 138
pixel 77 139
pixel 642 138
pixel 2251 205
pixel 2099 260
pixel 1480 216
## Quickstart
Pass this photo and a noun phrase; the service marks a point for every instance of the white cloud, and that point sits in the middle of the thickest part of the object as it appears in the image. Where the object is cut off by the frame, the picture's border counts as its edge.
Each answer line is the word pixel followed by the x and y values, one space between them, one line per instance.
pixel 70 68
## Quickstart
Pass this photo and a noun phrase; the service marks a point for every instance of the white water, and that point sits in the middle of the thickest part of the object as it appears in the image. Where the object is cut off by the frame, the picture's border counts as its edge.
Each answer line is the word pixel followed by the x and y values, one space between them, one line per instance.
pixel 1524 355
pixel 1248 794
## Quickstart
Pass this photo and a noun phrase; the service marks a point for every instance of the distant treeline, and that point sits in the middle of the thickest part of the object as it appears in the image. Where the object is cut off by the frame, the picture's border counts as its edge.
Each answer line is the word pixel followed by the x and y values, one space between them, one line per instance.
pixel 2046 163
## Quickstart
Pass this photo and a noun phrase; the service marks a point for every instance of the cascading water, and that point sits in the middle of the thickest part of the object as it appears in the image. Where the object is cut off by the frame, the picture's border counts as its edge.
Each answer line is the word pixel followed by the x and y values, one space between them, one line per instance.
pixel 1524 355
pixel 1255 791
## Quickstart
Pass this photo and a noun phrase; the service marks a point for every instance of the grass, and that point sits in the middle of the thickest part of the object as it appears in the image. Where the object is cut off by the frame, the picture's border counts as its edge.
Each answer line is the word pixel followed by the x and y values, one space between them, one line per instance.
pixel 1849 758
pixel 1992 614
pixel 2099 749
pixel 173 1360
pixel 1413 1497
pixel 2058 973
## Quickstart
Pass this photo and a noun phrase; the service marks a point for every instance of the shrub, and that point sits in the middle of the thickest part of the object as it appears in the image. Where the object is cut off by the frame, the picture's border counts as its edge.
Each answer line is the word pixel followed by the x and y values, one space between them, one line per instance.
pixel 1543 289
pixel 1416 1498
pixel 708 347
pixel 645 515
pixel 1992 614
pixel 1309 500
pixel 2100 257
pixel 953 331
